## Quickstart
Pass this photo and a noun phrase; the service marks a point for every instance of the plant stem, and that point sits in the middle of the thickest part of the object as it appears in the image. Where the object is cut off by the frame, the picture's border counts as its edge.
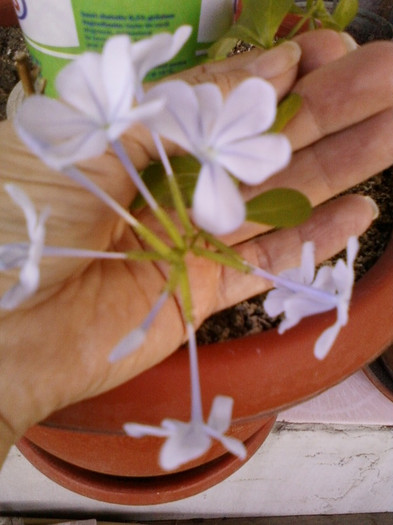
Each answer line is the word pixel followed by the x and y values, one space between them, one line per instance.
pixel 173 186
pixel 159 213
pixel 196 396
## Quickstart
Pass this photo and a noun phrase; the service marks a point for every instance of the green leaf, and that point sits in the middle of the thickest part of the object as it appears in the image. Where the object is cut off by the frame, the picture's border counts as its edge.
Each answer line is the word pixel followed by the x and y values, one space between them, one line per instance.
pixel 263 18
pixel 257 25
pixel 222 47
pixel 345 12
pixel 286 110
pixel 186 170
pixel 281 207
pixel 320 13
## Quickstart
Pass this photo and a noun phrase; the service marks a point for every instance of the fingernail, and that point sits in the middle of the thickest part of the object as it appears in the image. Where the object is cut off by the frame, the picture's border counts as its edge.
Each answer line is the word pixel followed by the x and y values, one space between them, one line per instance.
pixel 276 61
pixel 349 42
pixel 374 206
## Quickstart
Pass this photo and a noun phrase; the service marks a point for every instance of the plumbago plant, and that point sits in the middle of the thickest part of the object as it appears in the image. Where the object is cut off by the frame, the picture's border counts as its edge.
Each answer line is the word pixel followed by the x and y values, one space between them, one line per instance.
pixel 229 140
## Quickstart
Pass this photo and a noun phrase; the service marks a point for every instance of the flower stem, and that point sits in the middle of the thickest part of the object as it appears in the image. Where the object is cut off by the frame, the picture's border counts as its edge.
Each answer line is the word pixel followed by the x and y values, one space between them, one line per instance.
pixel 177 197
pixel 159 213
pixel 318 295
pixel 221 258
pixel 52 251
pixel 173 186
pixel 196 396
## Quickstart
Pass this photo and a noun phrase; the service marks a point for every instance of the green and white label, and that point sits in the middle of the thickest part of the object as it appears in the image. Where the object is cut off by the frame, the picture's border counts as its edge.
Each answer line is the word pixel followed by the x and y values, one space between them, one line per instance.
pixel 57 31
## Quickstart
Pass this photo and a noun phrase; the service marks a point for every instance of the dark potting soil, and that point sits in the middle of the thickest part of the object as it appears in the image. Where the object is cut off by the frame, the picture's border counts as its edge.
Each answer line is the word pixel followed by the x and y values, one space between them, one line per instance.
pixel 247 317
pixel 11 41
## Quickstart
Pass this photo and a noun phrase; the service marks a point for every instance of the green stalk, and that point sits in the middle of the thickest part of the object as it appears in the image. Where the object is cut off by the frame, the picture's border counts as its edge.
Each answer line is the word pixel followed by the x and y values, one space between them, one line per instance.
pixel 185 291
pixel 221 258
pixel 158 212
pixel 177 197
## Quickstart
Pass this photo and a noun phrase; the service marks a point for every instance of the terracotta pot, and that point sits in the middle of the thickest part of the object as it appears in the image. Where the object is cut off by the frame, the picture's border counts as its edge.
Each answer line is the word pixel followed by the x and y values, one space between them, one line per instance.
pixel 264 373
pixel 380 373
pixel 147 490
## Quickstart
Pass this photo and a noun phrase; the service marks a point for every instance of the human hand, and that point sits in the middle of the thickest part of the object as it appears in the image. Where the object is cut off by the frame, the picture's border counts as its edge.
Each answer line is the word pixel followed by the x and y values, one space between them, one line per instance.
pixel 57 344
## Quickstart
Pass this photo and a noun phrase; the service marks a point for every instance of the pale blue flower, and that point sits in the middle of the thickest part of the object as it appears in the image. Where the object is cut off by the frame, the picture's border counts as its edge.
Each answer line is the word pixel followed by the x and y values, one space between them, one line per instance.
pixel 26 256
pixel 330 288
pixel 226 137
pixel 97 96
pixel 188 441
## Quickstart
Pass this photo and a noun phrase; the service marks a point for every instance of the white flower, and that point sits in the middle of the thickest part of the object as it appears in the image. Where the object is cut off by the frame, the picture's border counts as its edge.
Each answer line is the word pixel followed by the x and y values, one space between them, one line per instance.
pixel 225 136
pixel 97 93
pixel 188 441
pixel 331 288
pixel 23 255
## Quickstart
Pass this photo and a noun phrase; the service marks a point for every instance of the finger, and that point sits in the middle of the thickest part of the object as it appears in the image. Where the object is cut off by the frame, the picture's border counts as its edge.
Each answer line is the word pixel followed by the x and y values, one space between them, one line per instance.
pixel 343 93
pixel 321 47
pixel 18 163
pixel 339 161
pixel 278 66
pixel 329 228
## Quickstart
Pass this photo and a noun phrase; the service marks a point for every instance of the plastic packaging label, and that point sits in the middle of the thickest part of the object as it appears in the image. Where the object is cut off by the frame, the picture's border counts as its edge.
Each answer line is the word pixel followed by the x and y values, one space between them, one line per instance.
pixel 57 31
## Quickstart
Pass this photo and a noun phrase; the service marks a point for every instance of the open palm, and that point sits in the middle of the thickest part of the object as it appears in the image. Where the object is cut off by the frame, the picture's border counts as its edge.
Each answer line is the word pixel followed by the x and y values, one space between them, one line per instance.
pixel 58 342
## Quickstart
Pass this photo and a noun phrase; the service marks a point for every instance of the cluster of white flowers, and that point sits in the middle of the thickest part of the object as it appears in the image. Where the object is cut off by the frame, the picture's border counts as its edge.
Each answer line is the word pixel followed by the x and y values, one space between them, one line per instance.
pixel 101 97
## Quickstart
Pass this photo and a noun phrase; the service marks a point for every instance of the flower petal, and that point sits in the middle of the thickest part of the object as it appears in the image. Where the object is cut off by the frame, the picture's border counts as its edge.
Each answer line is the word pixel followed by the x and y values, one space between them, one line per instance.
pixel 235 446
pixel 118 76
pixel 217 204
pixel 159 49
pixel 138 430
pixel 326 340
pixel 58 134
pixel 29 279
pixel 299 306
pixel 221 413
pixel 210 102
pixel 189 442
pixel 131 342
pixel 254 160
pixel 180 121
pixel 275 301
pixel 80 85
pixel 249 109
pixel 24 202
pixel 141 113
